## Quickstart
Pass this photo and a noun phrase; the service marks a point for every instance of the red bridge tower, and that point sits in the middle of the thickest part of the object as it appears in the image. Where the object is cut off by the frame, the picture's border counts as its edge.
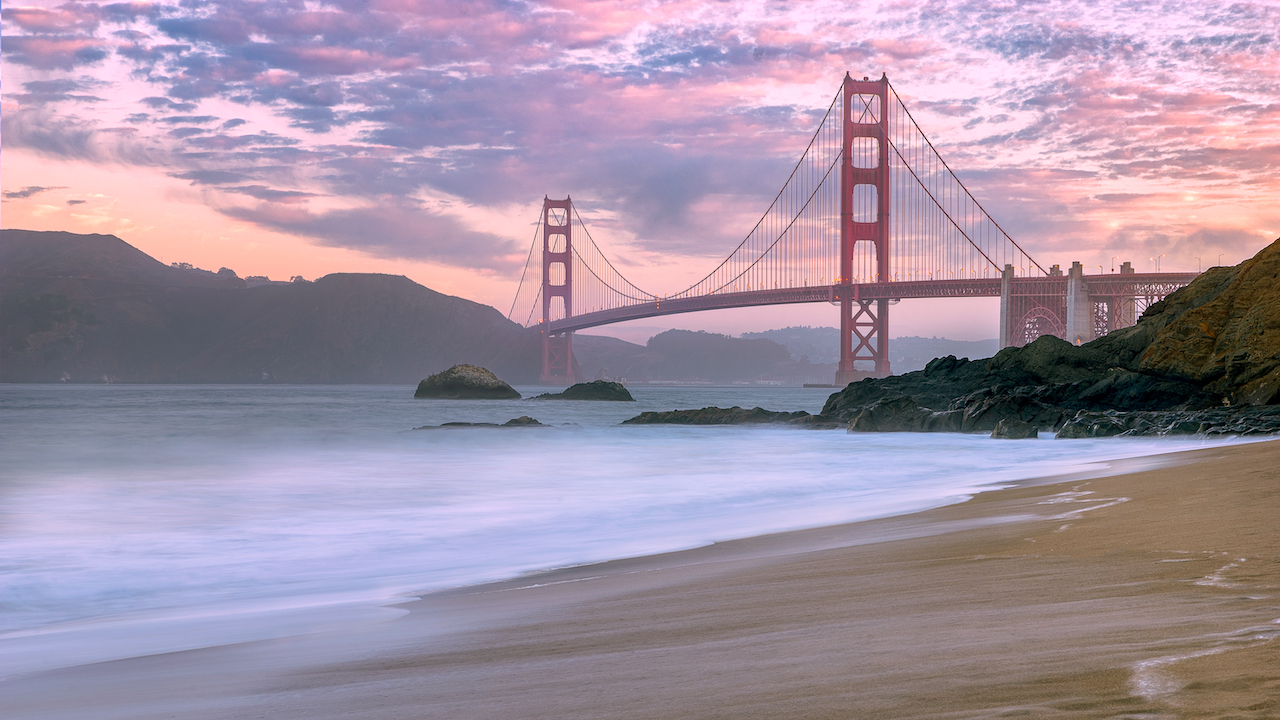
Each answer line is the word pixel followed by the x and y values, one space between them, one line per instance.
pixel 864 217
pixel 557 282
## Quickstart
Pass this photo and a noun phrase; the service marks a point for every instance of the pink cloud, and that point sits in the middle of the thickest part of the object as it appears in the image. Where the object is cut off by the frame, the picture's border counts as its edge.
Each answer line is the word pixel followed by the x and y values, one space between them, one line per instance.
pixel 55 53
pixel 68 18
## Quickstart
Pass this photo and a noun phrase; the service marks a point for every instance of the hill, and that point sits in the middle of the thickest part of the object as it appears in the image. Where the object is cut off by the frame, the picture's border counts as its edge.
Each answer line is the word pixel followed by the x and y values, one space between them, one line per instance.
pixel 821 345
pixel 695 356
pixel 92 308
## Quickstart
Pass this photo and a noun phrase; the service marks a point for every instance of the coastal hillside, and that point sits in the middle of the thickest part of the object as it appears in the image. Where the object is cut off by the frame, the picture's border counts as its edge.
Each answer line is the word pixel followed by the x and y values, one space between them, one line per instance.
pixel 1214 343
pixel 91 308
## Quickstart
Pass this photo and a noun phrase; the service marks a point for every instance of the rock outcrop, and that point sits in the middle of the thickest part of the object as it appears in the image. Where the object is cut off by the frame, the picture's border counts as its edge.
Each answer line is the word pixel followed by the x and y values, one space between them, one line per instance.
pixel 1015 429
pixel 1236 420
pixel 730 416
pixel 1215 342
pixel 466 382
pixel 522 421
pixel 594 390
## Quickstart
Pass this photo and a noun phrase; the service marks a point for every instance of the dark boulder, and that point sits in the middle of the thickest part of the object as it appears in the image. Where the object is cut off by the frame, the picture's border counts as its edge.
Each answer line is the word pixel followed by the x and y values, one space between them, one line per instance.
pixel 594 390
pixel 466 382
pixel 522 421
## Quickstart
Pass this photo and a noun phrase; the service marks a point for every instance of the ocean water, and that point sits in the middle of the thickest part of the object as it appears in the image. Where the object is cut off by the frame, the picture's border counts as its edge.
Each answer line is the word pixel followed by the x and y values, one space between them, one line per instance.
pixel 146 519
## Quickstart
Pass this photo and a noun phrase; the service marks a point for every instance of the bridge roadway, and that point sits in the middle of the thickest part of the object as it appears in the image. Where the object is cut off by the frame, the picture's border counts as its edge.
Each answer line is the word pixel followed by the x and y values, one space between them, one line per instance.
pixel 1107 285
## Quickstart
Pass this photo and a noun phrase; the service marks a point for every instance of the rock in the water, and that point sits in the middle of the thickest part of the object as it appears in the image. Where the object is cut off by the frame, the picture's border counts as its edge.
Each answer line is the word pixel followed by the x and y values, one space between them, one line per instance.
pixel 594 390
pixel 522 421
pixel 728 416
pixel 1012 428
pixel 466 382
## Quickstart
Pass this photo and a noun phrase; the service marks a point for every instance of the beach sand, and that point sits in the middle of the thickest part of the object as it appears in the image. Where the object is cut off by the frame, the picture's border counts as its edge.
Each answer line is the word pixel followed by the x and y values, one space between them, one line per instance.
pixel 1150 594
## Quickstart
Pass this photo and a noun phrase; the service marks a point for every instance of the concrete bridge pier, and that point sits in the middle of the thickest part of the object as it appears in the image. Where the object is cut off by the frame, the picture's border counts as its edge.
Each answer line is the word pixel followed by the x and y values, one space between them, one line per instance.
pixel 1006 288
pixel 1079 307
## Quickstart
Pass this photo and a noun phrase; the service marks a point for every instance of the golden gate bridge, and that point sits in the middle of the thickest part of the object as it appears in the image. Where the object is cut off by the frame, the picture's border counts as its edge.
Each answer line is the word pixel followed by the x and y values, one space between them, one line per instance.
pixel 871 214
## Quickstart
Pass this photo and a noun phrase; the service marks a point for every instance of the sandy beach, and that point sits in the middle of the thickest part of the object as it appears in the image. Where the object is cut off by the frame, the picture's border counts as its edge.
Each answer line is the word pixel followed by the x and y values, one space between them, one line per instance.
pixel 1151 593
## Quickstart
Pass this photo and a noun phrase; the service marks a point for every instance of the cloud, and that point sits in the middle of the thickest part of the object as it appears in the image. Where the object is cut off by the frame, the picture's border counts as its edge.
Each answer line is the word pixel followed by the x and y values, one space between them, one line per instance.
pixel 70 137
pixel 54 53
pixel 391 229
pixel 164 103
pixel 188 120
pixel 29 191
pixel 262 192
pixel 677 122
pixel 40 92
pixel 68 18
pixel 210 177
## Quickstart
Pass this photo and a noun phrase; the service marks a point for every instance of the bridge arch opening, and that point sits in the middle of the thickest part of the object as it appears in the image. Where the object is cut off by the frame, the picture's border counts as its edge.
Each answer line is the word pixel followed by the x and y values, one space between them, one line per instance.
pixel 866 203
pixel 556 274
pixel 864 152
pixel 864 109
pixel 555 309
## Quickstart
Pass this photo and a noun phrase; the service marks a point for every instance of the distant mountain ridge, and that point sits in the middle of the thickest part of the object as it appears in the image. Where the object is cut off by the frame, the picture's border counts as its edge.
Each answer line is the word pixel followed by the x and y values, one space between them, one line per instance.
pixel 821 345
pixel 92 308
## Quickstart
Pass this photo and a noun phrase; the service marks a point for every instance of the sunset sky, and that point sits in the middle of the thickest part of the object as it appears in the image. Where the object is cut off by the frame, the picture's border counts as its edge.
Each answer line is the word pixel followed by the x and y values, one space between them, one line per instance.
pixel 418 138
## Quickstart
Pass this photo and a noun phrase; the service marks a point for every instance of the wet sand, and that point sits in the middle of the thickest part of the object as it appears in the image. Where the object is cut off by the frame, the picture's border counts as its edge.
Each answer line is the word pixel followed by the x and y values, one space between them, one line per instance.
pixel 1152 594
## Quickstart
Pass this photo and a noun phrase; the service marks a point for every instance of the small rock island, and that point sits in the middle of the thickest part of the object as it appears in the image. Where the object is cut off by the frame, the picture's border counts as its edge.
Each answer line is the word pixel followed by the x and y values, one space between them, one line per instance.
pixel 466 382
pixel 594 390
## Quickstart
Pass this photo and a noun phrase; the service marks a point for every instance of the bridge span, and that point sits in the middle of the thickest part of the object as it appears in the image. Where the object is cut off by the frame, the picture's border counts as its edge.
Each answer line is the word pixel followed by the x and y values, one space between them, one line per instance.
pixel 1111 292
pixel 870 215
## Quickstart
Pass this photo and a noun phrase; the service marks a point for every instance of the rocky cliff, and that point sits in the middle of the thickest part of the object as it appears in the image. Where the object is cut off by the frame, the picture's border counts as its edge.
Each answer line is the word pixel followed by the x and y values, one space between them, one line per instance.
pixel 1211 344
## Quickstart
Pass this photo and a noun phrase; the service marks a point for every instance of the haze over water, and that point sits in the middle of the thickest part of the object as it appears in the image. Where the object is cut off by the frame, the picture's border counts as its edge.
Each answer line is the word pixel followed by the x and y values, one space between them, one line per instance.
pixel 143 519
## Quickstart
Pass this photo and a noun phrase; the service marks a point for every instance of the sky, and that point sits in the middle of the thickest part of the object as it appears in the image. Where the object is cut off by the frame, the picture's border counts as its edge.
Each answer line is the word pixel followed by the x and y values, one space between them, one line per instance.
pixel 419 138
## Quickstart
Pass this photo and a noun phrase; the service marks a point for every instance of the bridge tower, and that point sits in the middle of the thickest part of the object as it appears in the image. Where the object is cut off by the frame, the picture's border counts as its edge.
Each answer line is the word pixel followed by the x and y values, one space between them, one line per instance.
pixel 864 217
pixel 557 282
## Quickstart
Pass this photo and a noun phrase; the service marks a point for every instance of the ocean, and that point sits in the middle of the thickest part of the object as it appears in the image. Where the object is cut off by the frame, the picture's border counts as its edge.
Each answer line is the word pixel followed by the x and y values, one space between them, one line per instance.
pixel 144 519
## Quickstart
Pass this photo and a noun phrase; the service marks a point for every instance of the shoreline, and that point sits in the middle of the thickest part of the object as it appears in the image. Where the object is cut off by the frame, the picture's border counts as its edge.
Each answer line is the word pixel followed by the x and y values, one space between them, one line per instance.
pixel 873 618
pixel 142 633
